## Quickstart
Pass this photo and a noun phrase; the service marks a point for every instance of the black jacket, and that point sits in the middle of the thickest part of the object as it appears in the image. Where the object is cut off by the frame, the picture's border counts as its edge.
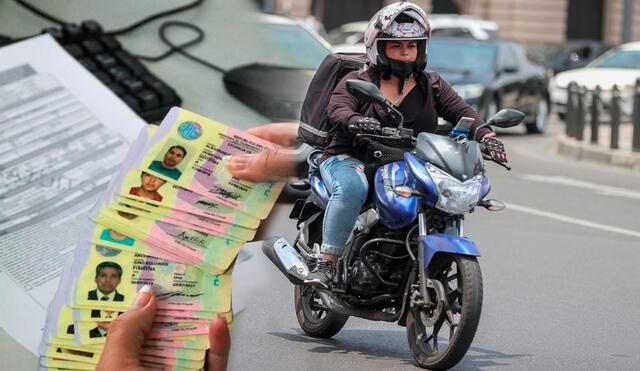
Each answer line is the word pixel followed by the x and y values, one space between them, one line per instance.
pixel 345 109
pixel 93 295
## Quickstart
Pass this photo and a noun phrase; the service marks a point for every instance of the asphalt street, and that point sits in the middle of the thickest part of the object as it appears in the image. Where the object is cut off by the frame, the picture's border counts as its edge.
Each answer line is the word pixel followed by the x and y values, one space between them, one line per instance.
pixel 560 268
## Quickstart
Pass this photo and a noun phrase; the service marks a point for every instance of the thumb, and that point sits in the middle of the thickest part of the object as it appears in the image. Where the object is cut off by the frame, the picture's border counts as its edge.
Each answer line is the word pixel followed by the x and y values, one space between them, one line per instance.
pixel 127 332
pixel 219 342
pixel 272 164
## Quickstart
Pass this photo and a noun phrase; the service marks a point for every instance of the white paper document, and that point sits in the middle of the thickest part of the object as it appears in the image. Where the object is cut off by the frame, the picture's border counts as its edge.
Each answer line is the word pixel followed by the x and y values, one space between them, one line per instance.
pixel 62 134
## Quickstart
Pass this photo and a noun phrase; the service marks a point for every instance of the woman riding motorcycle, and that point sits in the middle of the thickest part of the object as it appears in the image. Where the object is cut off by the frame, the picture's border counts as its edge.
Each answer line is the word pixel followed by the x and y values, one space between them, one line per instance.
pixel 396 40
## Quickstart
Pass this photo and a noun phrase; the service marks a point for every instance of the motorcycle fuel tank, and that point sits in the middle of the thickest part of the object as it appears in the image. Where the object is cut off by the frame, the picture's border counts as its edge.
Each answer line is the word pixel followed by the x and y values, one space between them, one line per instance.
pixel 395 211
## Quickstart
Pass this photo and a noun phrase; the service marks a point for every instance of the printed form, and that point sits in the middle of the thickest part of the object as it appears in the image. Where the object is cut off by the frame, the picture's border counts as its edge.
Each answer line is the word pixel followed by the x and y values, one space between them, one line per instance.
pixel 62 134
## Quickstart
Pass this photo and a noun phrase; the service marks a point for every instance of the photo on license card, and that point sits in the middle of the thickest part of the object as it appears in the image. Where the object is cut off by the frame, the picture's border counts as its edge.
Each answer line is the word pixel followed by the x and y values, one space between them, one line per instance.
pixel 172 159
pixel 101 280
pixel 165 198
pixel 119 274
pixel 204 171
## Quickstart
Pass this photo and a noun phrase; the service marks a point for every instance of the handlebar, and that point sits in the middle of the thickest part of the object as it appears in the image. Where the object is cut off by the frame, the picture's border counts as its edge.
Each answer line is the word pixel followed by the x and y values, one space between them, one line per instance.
pixel 393 134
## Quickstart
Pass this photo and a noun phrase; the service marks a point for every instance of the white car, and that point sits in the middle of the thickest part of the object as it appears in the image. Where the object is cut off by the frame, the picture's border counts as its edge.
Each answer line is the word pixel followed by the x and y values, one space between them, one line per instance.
pixel 349 38
pixel 620 66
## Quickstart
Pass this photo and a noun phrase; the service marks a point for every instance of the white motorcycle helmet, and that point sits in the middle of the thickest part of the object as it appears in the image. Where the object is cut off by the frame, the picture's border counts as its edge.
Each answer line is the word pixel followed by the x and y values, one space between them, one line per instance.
pixel 399 21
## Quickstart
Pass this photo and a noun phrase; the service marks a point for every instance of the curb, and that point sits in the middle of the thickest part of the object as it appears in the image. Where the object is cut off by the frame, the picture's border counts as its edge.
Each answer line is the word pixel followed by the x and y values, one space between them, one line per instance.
pixel 570 147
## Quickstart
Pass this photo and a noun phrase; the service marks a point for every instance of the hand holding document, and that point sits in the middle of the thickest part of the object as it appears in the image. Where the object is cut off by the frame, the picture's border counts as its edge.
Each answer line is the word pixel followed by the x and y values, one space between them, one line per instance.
pixel 173 219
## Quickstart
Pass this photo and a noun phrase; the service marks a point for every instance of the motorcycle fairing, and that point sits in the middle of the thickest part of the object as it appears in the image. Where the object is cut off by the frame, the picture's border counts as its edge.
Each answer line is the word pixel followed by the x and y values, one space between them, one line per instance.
pixel 461 160
pixel 317 185
pixel 395 211
pixel 425 183
pixel 440 242
pixel 485 187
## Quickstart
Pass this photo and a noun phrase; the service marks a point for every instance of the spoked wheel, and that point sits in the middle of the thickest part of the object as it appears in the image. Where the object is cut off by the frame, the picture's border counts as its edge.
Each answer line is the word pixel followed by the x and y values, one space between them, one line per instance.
pixel 313 317
pixel 439 335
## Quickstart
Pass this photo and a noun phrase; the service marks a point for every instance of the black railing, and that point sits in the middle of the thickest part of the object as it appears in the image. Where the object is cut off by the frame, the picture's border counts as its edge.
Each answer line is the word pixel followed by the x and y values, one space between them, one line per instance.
pixel 578 106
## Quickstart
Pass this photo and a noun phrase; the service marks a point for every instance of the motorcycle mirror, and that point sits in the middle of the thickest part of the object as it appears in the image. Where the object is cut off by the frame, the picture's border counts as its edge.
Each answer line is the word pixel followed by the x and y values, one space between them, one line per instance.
pixel 366 91
pixel 506 118
pixel 492 205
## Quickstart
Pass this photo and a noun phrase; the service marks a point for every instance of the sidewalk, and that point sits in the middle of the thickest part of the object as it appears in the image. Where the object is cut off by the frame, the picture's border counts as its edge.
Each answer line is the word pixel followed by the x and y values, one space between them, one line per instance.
pixel 601 151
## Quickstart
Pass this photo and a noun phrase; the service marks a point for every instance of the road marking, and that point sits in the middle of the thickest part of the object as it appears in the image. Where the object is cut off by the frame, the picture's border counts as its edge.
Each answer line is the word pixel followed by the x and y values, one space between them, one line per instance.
pixel 569 219
pixel 598 188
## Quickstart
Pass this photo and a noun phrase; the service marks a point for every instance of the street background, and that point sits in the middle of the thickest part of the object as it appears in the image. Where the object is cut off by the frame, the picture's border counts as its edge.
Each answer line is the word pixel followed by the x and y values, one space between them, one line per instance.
pixel 560 271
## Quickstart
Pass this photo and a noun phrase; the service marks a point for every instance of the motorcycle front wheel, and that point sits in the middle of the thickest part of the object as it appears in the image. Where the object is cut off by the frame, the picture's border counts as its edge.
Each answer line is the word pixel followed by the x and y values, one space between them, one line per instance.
pixel 431 347
pixel 313 317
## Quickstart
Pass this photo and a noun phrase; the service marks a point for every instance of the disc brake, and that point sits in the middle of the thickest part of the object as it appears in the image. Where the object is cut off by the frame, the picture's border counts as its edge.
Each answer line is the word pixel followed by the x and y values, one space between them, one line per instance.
pixel 429 311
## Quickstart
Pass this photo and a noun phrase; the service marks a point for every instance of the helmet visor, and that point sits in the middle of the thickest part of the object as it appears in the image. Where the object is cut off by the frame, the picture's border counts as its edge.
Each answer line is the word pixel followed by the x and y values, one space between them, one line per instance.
pixel 407 31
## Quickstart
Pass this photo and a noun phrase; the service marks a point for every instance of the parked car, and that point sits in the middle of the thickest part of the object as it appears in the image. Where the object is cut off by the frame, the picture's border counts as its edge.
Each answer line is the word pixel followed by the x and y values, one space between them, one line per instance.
pixel 349 38
pixel 619 66
pixel 490 75
pixel 573 54
pixel 470 26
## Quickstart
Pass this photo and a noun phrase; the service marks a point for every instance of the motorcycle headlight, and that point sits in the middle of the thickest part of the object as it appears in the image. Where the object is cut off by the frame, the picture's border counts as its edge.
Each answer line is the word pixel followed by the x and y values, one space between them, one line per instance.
pixel 454 196
pixel 469 91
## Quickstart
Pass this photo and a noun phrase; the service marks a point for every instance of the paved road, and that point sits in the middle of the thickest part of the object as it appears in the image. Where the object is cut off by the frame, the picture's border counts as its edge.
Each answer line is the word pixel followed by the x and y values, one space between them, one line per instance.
pixel 560 270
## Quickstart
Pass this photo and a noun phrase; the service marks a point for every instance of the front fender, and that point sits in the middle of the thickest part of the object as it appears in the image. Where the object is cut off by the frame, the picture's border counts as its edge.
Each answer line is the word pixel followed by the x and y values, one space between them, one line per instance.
pixel 440 242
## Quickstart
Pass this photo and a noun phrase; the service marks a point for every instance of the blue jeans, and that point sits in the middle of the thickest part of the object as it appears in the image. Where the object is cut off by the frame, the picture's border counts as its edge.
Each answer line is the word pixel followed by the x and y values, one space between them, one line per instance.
pixel 344 178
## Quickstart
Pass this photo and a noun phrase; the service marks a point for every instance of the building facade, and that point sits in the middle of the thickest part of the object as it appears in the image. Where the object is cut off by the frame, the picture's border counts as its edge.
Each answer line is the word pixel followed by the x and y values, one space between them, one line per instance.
pixel 526 21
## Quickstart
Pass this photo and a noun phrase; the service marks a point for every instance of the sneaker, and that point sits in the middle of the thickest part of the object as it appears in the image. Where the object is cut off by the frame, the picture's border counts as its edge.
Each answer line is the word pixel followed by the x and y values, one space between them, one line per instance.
pixel 322 275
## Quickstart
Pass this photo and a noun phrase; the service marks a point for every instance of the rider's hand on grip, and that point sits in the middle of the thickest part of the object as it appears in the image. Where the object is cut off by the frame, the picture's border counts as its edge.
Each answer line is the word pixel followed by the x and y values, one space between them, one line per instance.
pixel 494 148
pixel 366 125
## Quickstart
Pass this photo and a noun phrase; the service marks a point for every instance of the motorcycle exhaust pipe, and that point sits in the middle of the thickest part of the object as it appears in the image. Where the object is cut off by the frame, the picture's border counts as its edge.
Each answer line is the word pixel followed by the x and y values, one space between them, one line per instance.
pixel 286 259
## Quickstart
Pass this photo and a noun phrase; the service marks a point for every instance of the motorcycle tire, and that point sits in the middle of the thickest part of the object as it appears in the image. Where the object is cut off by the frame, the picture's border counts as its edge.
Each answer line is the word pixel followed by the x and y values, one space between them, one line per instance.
pixel 466 307
pixel 311 318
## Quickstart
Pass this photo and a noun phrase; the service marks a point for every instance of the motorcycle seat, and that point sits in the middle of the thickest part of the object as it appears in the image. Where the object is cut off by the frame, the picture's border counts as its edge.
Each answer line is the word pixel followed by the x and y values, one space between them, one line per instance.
pixel 313 161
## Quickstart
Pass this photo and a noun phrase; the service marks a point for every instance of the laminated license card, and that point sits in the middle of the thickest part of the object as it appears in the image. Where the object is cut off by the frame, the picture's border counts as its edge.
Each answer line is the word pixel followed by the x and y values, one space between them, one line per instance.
pixel 73 353
pixel 59 363
pixel 189 342
pixel 182 353
pixel 163 315
pixel 170 364
pixel 149 219
pixel 97 332
pixel 175 216
pixel 194 246
pixel 169 199
pixel 111 237
pixel 187 150
pixel 110 278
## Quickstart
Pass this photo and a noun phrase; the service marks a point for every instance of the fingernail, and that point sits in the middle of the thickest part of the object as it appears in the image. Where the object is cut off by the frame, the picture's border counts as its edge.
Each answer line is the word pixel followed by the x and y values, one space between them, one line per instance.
pixel 143 297
pixel 237 162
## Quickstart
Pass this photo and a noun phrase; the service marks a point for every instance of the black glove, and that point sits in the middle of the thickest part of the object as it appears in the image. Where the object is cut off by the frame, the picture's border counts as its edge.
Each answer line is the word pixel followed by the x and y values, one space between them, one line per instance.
pixel 494 148
pixel 366 125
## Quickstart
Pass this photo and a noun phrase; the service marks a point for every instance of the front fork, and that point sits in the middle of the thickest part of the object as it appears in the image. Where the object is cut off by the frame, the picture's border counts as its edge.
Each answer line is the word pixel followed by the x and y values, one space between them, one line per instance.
pixel 453 228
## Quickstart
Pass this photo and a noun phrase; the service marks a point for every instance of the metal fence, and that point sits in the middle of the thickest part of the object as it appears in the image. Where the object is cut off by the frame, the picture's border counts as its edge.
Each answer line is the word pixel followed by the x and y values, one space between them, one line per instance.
pixel 587 106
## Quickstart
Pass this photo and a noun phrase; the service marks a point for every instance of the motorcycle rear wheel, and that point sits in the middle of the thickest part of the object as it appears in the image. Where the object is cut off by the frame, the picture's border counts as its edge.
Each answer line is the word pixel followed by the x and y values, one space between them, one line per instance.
pixel 462 281
pixel 313 318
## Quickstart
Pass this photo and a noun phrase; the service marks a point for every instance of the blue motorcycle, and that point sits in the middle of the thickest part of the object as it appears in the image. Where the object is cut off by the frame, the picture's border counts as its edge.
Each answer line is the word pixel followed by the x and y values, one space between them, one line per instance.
pixel 407 259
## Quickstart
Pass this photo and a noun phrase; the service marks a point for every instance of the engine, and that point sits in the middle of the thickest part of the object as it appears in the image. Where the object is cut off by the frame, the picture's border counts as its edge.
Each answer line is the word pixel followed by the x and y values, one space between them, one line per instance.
pixel 388 260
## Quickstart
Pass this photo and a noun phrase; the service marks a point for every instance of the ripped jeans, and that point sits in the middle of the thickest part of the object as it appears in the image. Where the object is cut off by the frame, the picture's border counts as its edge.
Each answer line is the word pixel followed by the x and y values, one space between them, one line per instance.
pixel 345 181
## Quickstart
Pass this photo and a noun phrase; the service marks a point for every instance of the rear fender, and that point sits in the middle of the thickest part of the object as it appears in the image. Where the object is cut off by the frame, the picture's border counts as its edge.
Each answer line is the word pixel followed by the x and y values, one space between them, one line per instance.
pixel 445 243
